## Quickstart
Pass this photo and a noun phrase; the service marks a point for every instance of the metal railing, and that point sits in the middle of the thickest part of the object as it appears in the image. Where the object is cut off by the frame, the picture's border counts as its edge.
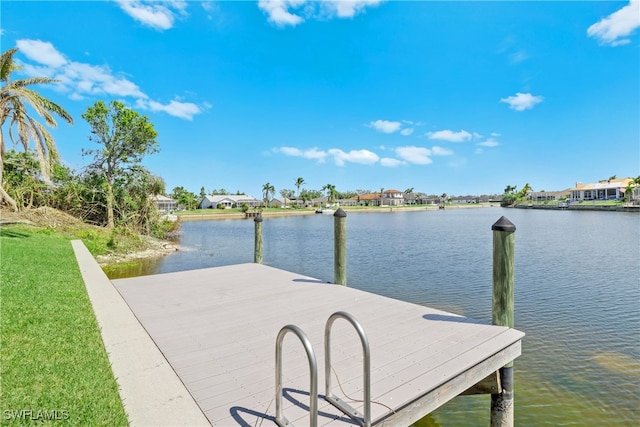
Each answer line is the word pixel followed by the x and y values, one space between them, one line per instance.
pixel 313 374
pixel 363 419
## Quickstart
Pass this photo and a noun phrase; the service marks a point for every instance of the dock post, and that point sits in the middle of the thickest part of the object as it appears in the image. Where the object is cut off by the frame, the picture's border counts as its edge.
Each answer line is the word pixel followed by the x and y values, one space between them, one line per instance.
pixel 257 253
pixel 340 247
pixel 502 405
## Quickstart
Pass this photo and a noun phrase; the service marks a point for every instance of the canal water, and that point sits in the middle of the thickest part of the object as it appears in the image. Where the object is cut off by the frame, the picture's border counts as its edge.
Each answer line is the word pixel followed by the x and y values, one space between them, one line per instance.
pixel 577 292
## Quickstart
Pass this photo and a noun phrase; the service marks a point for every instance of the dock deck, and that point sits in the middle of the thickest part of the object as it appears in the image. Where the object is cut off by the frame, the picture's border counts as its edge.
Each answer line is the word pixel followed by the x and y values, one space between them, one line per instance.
pixel 217 328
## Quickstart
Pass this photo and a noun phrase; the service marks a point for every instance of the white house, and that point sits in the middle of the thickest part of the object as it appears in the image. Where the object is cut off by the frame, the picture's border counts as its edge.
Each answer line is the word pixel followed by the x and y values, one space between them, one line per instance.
pixel 392 198
pixel 228 201
pixel 603 190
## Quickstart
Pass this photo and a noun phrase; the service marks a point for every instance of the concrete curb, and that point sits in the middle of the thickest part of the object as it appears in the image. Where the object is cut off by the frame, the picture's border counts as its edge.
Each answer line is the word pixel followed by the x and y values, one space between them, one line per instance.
pixel 151 391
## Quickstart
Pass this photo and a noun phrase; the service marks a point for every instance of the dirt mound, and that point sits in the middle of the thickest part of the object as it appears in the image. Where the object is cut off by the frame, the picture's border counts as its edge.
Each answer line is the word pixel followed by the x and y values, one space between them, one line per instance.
pixel 42 217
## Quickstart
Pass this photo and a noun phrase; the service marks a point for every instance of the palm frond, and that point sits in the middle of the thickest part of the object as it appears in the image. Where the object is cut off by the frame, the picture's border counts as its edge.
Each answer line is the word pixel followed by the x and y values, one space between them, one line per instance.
pixel 6 64
pixel 31 81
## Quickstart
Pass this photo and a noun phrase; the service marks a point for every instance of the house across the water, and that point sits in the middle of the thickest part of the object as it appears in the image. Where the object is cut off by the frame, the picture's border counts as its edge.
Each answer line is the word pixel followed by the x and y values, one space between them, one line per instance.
pixel 613 189
pixel 164 203
pixel 228 201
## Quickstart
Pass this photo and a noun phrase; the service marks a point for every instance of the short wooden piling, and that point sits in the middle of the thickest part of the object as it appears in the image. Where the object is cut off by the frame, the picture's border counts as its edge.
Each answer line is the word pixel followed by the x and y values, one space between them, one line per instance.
pixel 502 406
pixel 257 253
pixel 340 247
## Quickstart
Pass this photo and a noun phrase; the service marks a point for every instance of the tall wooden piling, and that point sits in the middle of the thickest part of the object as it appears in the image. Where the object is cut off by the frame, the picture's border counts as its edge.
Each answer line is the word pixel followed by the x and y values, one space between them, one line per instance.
pixel 340 247
pixel 257 253
pixel 503 314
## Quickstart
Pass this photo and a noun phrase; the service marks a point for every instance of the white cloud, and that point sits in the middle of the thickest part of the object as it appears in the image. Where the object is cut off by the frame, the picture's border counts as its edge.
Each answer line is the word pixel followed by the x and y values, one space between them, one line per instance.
pixel 615 28
pixel 278 11
pixel 312 153
pixel 38 71
pixel 155 14
pixel 391 163
pixel 522 101
pixel 449 135
pixel 80 80
pixel 349 8
pixel 364 157
pixel 289 151
pixel 209 6
pixel 87 79
pixel 489 143
pixel 41 52
pixel 416 155
pixel 518 57
pixel 183 110
pixel 439 151
pixel 405 155
pixel 406 132
pixel 495 134
pixel 291 12
pixel 385 126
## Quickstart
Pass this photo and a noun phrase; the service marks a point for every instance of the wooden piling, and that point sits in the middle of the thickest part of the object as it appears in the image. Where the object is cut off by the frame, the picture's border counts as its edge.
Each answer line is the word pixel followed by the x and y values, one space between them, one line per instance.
pixel 340 247
pixel 502 405
pixel 257 253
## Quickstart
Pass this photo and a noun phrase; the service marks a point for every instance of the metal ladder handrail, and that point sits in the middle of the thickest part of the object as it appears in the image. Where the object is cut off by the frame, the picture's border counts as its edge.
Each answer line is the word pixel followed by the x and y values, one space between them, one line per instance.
pixel 313 373
pixel 363 420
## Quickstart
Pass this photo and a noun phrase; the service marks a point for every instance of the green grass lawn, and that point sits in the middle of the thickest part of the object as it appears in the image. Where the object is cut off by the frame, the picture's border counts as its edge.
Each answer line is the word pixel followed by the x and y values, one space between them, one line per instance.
pixel 53 365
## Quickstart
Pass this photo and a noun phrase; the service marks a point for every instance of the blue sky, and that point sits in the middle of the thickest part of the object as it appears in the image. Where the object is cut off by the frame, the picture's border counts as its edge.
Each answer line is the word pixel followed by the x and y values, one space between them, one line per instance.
pixel 455 97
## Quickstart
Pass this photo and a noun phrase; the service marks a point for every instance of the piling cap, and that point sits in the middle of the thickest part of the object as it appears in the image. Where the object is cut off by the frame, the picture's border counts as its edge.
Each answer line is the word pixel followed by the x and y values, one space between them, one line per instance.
pixel 258 218
pixel 340 213
pixel 503 224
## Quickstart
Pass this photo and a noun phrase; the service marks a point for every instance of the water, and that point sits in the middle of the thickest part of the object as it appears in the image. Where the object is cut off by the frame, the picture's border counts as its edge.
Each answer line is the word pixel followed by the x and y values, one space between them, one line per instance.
pixel 577 292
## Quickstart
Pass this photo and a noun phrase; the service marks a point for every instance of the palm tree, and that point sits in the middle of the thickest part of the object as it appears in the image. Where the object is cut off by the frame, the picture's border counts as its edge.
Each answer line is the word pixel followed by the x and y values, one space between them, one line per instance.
pixel 629 190
pixel 299 183
pixel 266 189
pixel 631 185
pixel 331 192
pixel 510 189
pixel 526 190
pixel 15 96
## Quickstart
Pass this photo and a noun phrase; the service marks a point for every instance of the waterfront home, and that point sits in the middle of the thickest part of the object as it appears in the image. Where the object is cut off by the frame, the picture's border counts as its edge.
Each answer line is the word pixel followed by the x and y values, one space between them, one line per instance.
pixel 547 196
pixel 367 199
pixel 281 203
pixel 463 200
pixel 324 201
pixel 228 201
pixel 392 198
pixel 164 203
pixel 612 189
pixel 384 198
